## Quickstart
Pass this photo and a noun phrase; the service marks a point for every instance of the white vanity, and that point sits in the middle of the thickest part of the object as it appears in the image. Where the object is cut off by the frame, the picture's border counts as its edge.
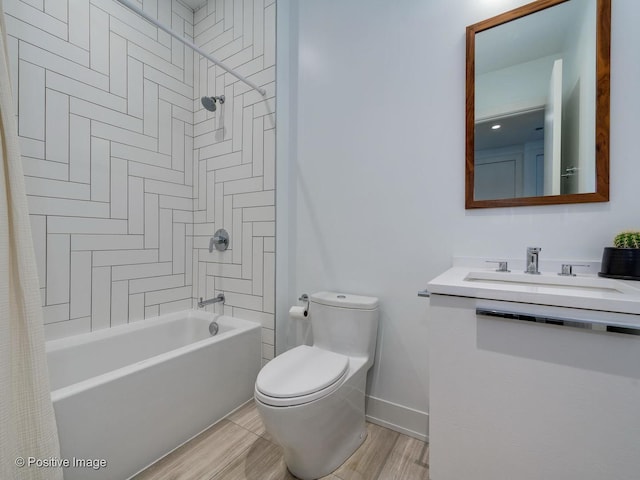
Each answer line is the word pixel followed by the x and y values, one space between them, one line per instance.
pixel 533 377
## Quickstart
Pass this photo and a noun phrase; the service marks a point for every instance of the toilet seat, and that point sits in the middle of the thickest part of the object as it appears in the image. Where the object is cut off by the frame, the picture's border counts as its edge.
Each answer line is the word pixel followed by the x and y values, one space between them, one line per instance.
pixel 301 375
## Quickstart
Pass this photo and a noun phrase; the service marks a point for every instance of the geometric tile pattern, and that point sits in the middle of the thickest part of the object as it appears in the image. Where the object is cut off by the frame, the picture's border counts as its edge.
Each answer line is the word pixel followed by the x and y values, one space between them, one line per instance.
pixel 127 175
pixel 234 153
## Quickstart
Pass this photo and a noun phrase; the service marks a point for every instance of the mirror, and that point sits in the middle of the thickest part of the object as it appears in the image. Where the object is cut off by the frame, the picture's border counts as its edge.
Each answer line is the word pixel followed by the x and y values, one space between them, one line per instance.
pixel 537 110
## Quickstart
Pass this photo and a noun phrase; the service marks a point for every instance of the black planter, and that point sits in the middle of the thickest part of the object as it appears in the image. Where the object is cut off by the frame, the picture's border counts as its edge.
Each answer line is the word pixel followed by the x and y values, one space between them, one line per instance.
pixel 621 263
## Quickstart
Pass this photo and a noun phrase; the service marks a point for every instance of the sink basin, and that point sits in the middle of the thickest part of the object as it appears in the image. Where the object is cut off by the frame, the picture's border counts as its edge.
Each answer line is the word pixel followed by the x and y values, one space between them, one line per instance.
pixel 583 283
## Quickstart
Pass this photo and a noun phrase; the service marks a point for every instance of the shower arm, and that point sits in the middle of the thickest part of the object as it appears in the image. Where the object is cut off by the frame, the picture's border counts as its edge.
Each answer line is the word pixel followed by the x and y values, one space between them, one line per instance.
pixel 147 17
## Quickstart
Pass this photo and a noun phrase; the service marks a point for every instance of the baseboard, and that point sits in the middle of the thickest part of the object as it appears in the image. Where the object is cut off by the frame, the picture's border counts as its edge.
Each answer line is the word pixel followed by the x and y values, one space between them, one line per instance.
pixel 398 417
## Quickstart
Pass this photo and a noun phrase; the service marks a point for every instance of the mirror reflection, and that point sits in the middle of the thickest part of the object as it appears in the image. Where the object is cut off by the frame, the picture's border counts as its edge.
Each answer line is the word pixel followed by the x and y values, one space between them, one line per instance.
pixel 534 97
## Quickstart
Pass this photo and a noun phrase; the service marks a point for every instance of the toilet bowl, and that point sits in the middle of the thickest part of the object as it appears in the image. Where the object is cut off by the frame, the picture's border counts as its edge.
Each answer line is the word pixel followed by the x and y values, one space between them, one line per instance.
pixel 311 398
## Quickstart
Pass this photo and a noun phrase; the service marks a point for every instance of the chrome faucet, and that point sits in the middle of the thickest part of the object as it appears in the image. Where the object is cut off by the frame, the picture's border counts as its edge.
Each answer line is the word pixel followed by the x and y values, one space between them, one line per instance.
pixel 203 303
pixel 532 260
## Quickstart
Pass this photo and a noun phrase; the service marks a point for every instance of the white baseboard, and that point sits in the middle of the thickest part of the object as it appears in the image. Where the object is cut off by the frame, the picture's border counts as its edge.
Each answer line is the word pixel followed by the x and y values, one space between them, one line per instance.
pixel 398 417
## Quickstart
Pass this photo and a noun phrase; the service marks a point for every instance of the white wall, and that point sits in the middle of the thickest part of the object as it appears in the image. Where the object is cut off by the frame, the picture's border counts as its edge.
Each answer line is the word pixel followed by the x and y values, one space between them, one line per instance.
pixel 128 176
pixel 377 174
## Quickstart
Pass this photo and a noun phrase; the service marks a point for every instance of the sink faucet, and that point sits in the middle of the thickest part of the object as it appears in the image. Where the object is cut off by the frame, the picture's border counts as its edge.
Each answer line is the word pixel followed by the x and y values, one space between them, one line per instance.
pixel 532 260
pixel 219 298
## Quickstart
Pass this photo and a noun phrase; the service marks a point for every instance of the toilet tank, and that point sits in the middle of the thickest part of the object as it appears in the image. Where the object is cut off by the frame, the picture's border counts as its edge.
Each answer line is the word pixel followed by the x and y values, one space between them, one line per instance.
pixel 344 323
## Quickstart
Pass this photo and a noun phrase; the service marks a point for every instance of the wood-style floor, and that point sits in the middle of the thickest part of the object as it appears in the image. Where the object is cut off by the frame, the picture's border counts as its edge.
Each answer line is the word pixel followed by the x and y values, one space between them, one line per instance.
pixel 238 448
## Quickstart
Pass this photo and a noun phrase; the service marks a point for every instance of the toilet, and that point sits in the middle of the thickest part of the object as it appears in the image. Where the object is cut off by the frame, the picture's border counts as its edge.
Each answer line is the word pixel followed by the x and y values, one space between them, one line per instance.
pixel 311 398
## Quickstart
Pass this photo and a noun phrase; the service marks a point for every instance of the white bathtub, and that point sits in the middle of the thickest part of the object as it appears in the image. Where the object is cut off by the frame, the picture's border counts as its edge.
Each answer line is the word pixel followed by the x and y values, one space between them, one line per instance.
pixel 128 395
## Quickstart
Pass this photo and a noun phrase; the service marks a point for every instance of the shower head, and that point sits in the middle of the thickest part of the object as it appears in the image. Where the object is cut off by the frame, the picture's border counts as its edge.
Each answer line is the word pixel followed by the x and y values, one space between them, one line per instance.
pixel 210 102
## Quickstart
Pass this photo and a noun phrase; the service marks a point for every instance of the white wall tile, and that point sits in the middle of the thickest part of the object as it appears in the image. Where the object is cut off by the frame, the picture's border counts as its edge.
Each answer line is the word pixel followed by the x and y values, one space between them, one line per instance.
pixel 165 235
pixel 258 146
pixel 243 186
pixel 151 220
pixel 58 268
pixel 106 242
pixel 118 78
pixel 269 159
pixel 139 155
pixel 164 127
pixel 79 149
pixel 269 278
pixel 156 283
pixel 258 267
pixel 31 98
pixel 150 108
pixel 124 257
pixel 56 188
pixel 179 256
pixel 57 126
pixel 32 148
pixel 123 136
pixel 177 144
pixel 136 205
pixel 71 208
pixel 259 214
pixel 136 307
pixel 57 9
pixel 100 298
pixel 264 229
pixel 78 225
pixel 100 164
pixel 176 306
pixel 119 303
pixel 99 39
pixel 270 36
pixel 129 272
pixel 80 305
pixel 34 167
pixel 67 328
pixel 78 24
pixel 247 249
pixel 169 295
pixel 174 98
pixel 39 235
pixel 119 190
pixel 55 313
pixel 135 89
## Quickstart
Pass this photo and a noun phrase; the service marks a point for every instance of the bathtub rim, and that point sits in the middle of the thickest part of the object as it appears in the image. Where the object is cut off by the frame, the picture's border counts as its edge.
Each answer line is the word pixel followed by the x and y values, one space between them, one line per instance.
pixel 239 327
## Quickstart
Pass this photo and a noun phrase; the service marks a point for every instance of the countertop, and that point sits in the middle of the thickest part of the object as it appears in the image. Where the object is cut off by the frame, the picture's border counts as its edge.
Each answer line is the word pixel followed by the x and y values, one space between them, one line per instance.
pixel 583 291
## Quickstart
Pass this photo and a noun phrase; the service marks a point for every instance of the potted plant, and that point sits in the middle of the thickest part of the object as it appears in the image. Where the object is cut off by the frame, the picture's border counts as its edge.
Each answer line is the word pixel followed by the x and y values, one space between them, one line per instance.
pixel 622 261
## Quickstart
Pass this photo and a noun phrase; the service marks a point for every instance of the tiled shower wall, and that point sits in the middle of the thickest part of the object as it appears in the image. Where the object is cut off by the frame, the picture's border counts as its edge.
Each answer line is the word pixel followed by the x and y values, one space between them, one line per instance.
pixel 127 177
pixel 234 153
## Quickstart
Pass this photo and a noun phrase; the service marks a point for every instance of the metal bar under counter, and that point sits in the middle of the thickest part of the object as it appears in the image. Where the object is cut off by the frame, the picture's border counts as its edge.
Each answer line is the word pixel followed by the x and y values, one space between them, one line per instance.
pixel 584 324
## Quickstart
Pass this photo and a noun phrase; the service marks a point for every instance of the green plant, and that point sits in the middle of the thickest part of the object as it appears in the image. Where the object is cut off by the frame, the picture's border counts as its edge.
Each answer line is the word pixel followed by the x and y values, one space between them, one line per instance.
pixel 628 239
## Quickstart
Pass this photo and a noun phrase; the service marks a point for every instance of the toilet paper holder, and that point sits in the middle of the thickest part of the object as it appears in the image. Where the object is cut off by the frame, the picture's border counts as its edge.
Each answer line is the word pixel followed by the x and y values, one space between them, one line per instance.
pixel 305 298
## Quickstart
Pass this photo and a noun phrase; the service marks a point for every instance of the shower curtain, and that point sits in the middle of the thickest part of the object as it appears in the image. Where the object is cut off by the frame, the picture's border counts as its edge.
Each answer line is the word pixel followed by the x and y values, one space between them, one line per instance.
pixel 27 421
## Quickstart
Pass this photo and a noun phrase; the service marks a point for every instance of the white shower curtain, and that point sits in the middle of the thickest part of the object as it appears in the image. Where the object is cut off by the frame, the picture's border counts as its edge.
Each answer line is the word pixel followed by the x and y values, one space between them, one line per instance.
pixel 27 421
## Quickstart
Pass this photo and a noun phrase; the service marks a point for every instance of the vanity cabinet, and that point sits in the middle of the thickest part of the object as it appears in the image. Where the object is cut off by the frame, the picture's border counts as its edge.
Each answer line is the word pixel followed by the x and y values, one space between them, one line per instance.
pixel 522 400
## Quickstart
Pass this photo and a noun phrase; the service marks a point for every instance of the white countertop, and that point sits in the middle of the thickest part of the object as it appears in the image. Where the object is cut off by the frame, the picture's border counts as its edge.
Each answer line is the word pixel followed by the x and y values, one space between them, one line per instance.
pixel 584 291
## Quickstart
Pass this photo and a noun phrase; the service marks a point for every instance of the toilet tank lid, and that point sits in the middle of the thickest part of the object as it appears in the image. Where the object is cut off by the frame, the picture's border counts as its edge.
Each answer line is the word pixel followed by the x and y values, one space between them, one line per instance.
pixel 345 300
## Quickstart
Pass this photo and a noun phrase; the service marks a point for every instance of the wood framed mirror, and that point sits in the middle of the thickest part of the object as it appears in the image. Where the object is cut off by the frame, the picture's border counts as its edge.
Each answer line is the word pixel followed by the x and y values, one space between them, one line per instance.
pixel 537 106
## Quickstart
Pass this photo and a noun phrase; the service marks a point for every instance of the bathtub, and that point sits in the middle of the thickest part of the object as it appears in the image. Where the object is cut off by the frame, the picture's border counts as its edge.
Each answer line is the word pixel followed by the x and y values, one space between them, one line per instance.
pixel 128 395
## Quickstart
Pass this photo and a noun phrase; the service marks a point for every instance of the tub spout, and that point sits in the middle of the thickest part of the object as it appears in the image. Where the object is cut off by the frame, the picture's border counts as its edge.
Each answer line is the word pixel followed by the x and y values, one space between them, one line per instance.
pixel 202 303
